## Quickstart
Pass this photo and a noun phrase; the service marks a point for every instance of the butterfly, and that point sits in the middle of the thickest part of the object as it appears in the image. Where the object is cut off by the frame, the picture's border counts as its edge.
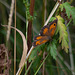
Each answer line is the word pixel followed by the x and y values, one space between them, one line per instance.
pixel 46 33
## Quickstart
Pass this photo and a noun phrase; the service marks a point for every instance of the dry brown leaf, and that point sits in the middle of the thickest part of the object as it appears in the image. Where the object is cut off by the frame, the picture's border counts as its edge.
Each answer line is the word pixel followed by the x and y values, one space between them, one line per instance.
pixel 5 62
pixel 24 46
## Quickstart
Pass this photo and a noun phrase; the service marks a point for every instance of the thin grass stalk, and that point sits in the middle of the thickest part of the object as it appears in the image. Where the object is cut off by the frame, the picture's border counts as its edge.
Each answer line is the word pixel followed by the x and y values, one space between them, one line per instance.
pixel 71 54
pixel 69 23
pixel 41 64
pixel 70 51
pixel 51 14
pixel 58 54
pixel 26 28
pixel 20 69
pixel 15 43
pixel 29 67
pixel 44 19
pixel 57 68
pixel 7 6
pixel 65 73
pixel 10 19
pixel 43 70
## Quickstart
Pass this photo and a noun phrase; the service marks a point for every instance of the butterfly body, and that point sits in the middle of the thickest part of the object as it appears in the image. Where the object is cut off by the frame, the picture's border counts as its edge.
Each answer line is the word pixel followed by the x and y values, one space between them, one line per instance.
pixel 46 34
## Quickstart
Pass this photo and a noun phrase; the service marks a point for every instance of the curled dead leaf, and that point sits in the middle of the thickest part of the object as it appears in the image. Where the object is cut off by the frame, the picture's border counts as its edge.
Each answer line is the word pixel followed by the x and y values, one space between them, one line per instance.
pixel 24 46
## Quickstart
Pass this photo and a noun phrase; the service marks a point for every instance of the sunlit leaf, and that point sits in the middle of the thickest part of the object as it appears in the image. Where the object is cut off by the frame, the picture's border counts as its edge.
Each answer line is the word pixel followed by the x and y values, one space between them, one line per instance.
pixel 63 35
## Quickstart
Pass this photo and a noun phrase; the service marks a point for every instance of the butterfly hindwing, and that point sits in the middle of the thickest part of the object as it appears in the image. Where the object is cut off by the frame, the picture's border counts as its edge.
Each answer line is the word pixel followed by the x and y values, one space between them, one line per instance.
pixel 38 37
pixel 40 41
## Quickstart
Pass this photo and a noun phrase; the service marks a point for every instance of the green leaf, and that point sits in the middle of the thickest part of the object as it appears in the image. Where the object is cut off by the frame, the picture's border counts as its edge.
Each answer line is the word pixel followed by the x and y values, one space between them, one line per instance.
pixel 69 10
pixel 61 7
pixel 52 48
pixel 52 18
pixel 63 35
pixel 73 14
pixel 33 55
pixel 36 52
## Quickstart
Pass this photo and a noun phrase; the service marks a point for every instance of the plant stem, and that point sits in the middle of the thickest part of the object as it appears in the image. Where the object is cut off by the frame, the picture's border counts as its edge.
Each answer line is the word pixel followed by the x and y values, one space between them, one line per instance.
pixel 29 67
pixel 20 69
pixel 70 49
pixel 52 12
pixel 41 64
pixel 71 55
pixel 7 6
pixel 69 23
pixel 43 21
pixel 58 54
pixel 15 43
pixel 10 19
pixel 57 4
pixel 65 73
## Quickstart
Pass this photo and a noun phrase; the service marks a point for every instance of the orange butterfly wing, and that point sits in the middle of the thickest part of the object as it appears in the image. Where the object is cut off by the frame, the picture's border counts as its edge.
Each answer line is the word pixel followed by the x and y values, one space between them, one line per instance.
pixel 46 34
pixel 44 31
pixel 49 29
pixel 40 40
pixel 52 27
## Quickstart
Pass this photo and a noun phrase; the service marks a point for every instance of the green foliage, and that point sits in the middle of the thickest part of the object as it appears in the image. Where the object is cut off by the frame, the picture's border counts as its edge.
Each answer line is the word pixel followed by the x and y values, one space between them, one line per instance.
pixel 63 35
pixel 51 19
pixel 27 5
pixel 69 10
pixel 36 51
pixel 41 64
pixel 37 55
pixel 52 48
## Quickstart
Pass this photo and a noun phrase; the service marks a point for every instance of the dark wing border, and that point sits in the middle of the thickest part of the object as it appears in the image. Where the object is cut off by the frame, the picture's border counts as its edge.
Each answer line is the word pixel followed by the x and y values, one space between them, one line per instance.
pixel 41 31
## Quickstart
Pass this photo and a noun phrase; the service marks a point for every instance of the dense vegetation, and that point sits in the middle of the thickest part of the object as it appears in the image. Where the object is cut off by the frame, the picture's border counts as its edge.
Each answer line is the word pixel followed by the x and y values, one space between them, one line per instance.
pixel 55 57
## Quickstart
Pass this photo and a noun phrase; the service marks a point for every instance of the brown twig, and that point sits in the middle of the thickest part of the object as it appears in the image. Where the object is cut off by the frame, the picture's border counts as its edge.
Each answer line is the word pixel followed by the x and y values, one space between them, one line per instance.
pixel 29 32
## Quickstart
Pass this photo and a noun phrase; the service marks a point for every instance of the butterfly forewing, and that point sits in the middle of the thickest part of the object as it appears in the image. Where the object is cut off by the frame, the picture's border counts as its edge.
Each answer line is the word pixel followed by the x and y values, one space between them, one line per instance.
pixel 44 30
pixel 52 27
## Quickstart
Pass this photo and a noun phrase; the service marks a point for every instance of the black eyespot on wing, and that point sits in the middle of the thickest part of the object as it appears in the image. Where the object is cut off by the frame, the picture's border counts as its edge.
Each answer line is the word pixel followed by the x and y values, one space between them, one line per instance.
pixel 55 21
pixel 54 24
